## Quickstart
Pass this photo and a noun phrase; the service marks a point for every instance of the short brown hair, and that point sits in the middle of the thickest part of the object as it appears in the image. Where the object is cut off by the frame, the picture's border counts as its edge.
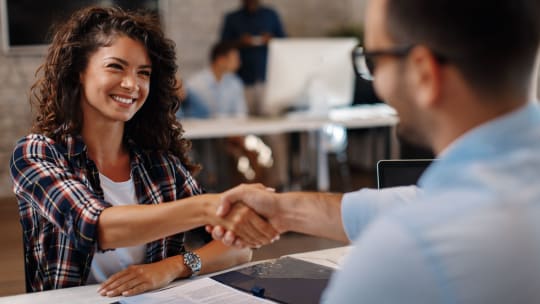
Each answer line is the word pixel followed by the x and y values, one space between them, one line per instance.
pixel 492 42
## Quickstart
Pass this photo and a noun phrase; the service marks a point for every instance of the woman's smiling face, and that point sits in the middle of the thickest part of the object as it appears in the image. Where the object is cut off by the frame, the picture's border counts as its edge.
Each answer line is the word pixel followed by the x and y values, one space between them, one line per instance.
pixel 116 81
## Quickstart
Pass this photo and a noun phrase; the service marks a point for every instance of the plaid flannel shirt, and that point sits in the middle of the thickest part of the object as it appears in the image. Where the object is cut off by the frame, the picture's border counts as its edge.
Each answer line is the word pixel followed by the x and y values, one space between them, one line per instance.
pixel 60 200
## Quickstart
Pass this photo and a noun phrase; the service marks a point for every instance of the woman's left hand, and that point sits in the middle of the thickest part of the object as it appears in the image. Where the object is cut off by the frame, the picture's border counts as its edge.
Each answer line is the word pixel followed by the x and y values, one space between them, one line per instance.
pixel 140 278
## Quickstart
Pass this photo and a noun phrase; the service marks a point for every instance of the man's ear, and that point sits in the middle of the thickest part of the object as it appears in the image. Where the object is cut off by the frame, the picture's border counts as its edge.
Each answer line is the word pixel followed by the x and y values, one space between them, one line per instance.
pixel 425 77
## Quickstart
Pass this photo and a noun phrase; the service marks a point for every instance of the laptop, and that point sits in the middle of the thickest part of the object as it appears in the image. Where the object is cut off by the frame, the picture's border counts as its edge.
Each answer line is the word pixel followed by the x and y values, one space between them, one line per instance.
pixel 400 172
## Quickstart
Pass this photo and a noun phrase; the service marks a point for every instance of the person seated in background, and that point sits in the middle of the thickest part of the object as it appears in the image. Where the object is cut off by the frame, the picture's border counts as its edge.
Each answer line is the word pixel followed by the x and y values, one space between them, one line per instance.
pixel 216 88
pixel 103 182
pixel 216 92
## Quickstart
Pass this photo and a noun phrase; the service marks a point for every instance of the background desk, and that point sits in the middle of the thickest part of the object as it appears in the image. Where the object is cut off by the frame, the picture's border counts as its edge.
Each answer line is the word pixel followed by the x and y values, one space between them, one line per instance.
pixel 88 294
pixel 366 116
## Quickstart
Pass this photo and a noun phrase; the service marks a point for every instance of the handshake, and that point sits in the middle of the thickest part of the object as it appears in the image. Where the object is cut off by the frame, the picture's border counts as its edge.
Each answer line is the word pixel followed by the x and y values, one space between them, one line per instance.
pixel 252 215
pixel 247 216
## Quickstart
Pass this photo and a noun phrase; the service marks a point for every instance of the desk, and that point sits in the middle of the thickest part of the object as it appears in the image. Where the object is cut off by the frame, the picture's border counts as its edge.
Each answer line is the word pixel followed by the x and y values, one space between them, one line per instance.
pixel 364 116
pixel 88 294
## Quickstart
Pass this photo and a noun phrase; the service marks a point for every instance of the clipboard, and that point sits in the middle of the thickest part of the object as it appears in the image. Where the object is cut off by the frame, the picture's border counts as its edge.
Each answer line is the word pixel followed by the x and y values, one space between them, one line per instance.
pixel 285 280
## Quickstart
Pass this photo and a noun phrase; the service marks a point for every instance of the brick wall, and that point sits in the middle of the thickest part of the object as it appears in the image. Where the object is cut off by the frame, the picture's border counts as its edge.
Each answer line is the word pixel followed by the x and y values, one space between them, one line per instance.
pixel 192 24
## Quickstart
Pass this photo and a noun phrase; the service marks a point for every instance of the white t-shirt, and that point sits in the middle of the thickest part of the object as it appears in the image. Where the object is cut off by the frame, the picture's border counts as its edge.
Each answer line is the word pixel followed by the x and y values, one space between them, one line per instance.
pixel 105 264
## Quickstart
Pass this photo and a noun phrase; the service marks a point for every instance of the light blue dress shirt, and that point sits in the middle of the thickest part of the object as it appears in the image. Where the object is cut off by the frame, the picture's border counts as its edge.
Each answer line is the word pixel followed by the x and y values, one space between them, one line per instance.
pixel 224 98
pixel 472 235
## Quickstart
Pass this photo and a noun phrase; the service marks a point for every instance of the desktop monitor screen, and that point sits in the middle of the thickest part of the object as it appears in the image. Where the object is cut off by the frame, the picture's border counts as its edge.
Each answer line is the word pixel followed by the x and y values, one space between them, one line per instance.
pixel 312 74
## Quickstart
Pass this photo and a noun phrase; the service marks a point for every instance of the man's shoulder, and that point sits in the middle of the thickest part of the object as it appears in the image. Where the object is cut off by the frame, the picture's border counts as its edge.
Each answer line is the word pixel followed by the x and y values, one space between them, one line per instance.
pixel 267 10
pixel 441 208
pixel 235 14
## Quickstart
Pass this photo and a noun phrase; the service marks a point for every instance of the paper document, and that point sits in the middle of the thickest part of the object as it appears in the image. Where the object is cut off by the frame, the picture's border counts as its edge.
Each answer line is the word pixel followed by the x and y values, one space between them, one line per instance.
pixel 201 291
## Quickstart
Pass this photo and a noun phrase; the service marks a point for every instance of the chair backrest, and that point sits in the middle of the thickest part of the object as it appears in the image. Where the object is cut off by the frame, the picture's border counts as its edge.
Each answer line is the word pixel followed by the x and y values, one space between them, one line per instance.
pixel 26 274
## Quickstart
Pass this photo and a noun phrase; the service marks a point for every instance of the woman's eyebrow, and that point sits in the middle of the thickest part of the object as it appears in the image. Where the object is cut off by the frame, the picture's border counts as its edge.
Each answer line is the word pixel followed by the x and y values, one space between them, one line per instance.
pixel 124 62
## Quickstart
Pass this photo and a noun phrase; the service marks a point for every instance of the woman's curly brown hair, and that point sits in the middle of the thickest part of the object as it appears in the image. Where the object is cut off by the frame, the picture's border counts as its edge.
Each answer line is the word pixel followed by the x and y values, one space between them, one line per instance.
pixel 57 92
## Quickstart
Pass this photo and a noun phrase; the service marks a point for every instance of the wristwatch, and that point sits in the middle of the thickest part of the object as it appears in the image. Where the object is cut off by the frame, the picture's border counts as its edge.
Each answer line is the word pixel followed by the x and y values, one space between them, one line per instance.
pixel 193 262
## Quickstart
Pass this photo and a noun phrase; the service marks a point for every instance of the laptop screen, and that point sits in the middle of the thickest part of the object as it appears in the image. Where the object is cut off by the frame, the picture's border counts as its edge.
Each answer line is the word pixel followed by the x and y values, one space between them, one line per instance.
pixel 402 172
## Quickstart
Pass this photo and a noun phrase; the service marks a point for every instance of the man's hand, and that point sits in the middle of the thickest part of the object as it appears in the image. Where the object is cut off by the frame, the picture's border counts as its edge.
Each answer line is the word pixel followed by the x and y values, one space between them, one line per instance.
pixel 246 40
pixel 266 37
pixel 139 278
pixel 261 199
pixel 258 197
pixel 244 223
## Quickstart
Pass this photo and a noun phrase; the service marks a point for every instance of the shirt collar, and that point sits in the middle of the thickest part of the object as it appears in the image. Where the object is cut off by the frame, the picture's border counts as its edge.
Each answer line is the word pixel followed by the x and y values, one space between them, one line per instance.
pixel 495 137
pixel 75 147
pixel 496 132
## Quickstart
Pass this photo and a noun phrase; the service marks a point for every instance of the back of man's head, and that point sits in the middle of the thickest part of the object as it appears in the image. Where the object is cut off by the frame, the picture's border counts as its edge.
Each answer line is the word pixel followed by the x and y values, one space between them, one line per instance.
pixel 492 42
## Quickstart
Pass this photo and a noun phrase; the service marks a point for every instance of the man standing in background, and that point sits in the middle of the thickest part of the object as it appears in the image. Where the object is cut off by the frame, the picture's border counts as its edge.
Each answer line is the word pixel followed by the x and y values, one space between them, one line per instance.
pixel 251 27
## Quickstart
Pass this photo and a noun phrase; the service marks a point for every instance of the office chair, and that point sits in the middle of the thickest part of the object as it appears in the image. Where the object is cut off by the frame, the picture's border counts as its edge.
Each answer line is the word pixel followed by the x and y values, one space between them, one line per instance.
pixel 27 284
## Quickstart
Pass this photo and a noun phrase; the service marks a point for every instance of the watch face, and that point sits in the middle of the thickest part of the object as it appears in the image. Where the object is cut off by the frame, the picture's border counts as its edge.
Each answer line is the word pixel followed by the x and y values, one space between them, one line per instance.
pixel 193 261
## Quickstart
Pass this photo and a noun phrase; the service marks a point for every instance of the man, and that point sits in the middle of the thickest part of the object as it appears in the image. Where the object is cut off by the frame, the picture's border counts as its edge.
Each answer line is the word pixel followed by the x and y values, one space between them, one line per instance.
pixel 459 78
pixel 216 91
pixel 251 27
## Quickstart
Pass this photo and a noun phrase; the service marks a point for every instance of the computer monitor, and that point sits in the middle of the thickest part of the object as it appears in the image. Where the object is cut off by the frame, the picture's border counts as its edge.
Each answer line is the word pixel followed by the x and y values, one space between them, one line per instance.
pixel 312 74
pixel 400 172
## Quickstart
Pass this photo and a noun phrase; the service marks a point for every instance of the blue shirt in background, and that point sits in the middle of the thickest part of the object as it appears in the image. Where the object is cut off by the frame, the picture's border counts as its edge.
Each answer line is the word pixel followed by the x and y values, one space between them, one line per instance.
pixel 240 22
pixel 208 97
pixel 471 235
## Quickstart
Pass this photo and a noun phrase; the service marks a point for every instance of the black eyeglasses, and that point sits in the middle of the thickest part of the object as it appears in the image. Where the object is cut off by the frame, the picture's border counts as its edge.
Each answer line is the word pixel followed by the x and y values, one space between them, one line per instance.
pixel 364 62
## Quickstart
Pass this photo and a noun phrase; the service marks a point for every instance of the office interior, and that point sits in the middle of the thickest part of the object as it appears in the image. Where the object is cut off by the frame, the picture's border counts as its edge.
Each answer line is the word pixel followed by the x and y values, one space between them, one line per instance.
pixel 194 26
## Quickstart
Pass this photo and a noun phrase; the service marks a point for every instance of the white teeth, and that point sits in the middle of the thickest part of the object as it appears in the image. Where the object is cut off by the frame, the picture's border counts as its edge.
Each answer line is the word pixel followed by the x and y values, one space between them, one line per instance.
pixel 123 100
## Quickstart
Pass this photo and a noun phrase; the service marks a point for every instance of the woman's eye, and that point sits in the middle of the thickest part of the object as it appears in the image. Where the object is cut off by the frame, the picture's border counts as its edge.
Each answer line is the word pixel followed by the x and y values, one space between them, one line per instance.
pixel 114 66
pixel 145 73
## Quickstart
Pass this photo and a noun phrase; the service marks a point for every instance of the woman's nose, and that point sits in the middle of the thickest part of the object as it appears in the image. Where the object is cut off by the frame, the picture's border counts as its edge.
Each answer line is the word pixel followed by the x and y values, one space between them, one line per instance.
pixel 130 82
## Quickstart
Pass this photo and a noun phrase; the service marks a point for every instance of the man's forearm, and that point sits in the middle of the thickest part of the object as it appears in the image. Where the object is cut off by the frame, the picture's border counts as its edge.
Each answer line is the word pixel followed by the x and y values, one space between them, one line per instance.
pixel 316 214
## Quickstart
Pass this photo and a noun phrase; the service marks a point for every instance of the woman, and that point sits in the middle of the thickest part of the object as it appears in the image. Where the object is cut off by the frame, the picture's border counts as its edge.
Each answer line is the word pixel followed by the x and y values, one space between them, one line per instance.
pixel 105 153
